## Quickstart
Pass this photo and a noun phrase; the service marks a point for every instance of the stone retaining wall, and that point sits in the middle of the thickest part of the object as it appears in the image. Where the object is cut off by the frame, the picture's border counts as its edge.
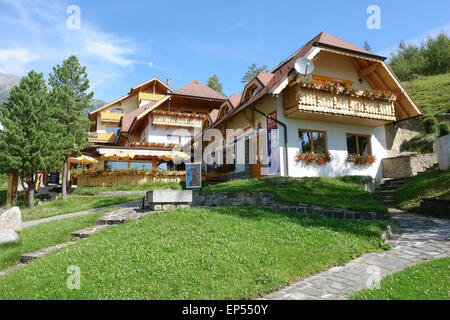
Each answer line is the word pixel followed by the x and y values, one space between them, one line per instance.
pixel 262 199
pixel 408 165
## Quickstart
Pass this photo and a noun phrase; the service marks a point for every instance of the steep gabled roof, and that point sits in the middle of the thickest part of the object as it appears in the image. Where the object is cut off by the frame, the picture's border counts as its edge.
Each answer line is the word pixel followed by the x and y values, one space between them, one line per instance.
pixel 132 91
pixel 128 119
pixel 235 99
pixel 274 79
pixel 199 90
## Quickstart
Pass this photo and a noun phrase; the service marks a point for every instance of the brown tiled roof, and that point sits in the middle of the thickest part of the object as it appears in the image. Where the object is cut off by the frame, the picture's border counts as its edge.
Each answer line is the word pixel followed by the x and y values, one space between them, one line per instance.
pixel 214 114
pixel 128 119
pixel 235 99
pixel 265 77
pixel 198 89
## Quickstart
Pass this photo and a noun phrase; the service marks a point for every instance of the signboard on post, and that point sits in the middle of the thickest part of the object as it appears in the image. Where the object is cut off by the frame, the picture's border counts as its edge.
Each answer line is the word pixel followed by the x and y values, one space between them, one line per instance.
pixel 273 145
pixel 193 175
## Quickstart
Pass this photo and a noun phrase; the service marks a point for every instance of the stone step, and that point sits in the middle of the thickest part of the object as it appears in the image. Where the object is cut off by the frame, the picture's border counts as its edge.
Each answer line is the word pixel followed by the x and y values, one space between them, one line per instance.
pixel 28 257
pixel 120 216
pixel 82 234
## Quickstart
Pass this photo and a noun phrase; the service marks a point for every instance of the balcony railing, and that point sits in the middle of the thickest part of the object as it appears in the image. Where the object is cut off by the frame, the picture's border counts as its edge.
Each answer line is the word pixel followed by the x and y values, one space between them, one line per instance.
pixel 102 137
pixel 111 117
pixel 299 99
pixel 176 121
pixel 150 96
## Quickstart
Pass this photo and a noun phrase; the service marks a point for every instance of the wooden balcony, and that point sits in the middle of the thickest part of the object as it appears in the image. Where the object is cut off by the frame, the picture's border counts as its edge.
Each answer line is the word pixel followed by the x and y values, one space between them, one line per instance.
pixel 314 104
pixel 176 121
pixel 149 96
pixel 111 117
pixel 102 137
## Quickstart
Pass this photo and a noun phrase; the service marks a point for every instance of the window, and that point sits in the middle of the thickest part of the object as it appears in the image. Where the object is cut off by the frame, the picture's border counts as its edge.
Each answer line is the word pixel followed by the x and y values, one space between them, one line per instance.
pixel 328 79
pixel 312 141
pixel 117 165
pixel 358 144
pixel 117 110
pixel 114 130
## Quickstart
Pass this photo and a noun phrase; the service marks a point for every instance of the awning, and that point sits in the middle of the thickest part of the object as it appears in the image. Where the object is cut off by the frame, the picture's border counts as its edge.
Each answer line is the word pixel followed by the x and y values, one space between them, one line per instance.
pixel 135 153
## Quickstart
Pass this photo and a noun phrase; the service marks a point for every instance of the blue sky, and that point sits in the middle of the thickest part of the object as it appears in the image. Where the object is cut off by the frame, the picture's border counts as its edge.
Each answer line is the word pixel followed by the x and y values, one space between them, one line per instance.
pixel 123 43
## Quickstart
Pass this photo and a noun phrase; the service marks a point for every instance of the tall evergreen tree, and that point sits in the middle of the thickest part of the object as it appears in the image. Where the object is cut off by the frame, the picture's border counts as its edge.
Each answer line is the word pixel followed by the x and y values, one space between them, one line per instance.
pixel 29 139
pixel 70 96
pixel 252 72
pixel 215 84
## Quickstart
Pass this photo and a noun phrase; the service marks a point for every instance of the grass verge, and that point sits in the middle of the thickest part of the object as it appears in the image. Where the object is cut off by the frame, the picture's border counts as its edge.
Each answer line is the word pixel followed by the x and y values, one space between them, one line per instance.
pixel 342 192
pixel 426 281
pixel 44 235
pixel 223 253
pixel 430 184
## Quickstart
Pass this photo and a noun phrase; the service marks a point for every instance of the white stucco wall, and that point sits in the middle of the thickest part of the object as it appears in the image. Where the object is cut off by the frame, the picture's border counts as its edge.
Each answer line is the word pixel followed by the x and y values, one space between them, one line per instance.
pixel 160 134
pixel 337 146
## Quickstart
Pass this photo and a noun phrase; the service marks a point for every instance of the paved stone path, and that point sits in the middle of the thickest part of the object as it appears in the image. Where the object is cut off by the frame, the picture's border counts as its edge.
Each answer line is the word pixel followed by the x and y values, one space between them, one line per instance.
pixel 416 239
pixel 130 204
pixel 112 218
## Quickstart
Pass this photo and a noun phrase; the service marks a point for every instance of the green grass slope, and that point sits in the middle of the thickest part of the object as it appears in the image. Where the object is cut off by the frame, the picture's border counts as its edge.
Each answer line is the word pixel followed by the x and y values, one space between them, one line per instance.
pixel 431 93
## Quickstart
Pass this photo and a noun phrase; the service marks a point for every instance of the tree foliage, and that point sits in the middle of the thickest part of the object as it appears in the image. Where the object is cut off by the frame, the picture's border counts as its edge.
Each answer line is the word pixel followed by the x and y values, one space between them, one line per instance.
pixel 252 72
pixel 31 136
pixel 215 84
pixel 431 57
pixel 70 85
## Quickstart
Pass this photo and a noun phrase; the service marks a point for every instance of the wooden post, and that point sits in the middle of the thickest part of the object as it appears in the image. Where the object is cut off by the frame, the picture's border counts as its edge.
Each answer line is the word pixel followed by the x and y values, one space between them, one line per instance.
pixel 45 178
pixel 11 195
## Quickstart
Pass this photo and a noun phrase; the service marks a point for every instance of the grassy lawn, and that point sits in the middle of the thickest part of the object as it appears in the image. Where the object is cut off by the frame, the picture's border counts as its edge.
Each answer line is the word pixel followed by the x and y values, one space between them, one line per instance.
pixel 73 204
pixel 224 253
pixel 431 93
pixel 130 187
pixel 44 235
pixel 426 281
pixel 430 184
pixel 344 192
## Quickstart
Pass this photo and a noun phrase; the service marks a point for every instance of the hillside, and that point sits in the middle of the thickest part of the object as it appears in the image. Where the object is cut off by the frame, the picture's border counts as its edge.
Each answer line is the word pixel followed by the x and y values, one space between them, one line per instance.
pixel 431 93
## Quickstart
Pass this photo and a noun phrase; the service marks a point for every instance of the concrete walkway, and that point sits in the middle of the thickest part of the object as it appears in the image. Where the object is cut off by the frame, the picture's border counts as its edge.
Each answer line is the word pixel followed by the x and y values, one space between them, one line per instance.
pixel 416 239
pixel 130 204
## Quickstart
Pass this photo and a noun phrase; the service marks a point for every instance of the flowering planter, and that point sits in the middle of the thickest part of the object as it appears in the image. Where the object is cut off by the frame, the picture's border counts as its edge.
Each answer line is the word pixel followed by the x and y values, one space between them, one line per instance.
pixel 119 180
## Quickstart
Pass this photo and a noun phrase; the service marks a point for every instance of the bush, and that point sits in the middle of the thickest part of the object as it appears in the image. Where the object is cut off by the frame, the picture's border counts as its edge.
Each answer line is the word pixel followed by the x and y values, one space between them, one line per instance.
pixel 430 124
pixel 420 144
pixel 444 129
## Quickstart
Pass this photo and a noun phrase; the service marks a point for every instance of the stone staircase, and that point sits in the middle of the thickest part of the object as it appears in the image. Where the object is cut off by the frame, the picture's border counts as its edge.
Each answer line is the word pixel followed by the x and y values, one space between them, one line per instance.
pixel 385 192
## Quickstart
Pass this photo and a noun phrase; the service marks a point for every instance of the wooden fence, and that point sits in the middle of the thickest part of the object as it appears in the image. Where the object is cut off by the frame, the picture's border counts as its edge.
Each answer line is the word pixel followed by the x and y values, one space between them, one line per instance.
pixel 118 180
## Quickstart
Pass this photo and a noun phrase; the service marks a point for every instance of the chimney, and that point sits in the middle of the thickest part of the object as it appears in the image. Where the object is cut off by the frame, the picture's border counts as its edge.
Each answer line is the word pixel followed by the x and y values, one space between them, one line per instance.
pixel 169 81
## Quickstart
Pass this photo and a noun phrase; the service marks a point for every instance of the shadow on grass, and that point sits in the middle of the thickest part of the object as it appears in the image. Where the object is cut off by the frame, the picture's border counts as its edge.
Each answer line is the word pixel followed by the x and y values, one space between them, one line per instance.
pixel 364 228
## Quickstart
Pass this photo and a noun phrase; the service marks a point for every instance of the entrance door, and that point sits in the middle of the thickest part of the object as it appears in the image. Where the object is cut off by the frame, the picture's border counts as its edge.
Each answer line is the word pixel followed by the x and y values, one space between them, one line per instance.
pixel 256 168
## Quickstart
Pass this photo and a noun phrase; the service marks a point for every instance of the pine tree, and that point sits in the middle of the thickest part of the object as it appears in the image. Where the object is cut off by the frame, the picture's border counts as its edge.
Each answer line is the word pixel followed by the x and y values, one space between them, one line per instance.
pixel 70 96
pixel 367 46
pixel 29 139
pixel 252 72
pixel 215 84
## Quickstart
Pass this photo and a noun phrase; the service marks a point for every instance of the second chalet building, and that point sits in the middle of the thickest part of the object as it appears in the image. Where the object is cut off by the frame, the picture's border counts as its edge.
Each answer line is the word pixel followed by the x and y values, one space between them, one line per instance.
pixel 329 123
pixel 149 121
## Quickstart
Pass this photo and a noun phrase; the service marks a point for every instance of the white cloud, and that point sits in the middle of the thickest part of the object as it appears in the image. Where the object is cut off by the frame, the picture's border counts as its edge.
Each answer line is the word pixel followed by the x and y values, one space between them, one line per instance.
pixel 15 61
pixel 104 47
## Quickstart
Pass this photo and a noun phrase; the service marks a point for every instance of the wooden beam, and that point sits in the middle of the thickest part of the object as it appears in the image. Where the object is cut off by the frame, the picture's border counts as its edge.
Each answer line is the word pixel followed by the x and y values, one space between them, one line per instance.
pixel 367 70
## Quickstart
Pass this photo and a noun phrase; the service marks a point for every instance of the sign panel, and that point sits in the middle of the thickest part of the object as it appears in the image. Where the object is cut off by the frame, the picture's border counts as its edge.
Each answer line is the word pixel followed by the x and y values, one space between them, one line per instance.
pixel 273 145
pixel 193 175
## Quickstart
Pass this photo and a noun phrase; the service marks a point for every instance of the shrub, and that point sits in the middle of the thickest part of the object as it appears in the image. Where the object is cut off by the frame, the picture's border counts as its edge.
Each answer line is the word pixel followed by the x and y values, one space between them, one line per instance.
pixel 420 144
pixel 430 124
pixel 444 129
